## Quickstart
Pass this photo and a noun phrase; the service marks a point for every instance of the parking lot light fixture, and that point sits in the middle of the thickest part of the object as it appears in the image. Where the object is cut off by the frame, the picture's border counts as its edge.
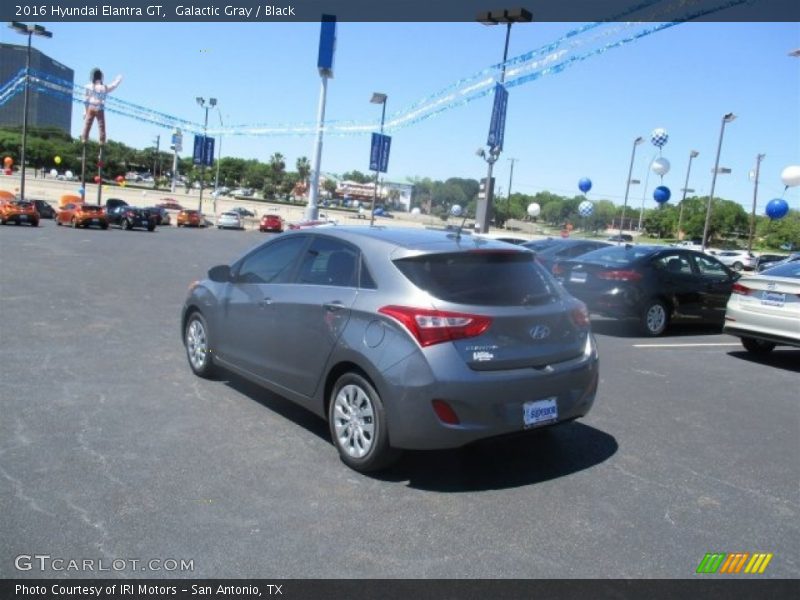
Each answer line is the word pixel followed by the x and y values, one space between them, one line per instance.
pixel 496 17
pixel 636 142
pixel 30 31
pixel 202 103
pixel 377 98
pixel 692 155
pixel 727 118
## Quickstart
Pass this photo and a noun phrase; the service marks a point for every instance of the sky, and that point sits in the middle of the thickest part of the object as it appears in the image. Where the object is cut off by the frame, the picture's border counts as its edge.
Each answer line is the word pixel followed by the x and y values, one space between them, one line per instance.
pixel 576 123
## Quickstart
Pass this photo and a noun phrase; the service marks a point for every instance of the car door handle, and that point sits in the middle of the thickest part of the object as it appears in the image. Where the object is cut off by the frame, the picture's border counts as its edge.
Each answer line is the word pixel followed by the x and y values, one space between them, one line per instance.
pixel 265 302
pixel 333 306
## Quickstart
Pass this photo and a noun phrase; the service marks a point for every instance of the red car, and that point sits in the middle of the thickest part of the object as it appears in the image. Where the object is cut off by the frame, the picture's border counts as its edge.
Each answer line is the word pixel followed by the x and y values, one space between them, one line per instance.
pixel 271 223
pixel 82 215
pixel 312 223
pixel 169 204
pixel 19 212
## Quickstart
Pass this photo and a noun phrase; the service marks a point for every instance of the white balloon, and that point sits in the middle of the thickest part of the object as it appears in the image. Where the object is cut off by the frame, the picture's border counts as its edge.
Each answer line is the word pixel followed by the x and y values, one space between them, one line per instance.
pixel 534 209
pixel 791 176
pixel 660 166
pixel 68 174
pixel 53 173
pixel 416 210
pixel 456 210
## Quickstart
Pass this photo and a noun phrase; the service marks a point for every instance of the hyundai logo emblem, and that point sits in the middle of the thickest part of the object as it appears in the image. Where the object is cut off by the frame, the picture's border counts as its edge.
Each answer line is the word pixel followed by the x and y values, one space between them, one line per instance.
pixel 540 332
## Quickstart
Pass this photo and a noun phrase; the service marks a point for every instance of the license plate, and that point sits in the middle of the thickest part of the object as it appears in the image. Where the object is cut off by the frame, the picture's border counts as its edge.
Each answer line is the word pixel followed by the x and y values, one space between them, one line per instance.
pixel 23 217
pixel 773 299
pixel 95 220
pixel 539 412
pixel 578 277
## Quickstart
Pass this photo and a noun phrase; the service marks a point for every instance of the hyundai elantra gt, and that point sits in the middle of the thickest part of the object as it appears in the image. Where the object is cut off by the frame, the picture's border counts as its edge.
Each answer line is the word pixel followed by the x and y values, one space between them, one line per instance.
pixel 400 338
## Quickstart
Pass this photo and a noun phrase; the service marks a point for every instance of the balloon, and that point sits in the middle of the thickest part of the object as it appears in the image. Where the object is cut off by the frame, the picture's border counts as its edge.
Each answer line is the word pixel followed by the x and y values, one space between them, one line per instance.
pixel 119 179
pixel 791 176
pixel 8 162
pixel 68 174
pixel 585 184
pixel 122 183
pixel 53 173
pixel 57 160
pixel 660 166
pixel 456 210
pixel 534 209
pixel 661 194
pixel 659 137
pixel 81 191
pixel 8 171
pixel 777 208
pixel 416 211
pixel 585 208
pixel 97 179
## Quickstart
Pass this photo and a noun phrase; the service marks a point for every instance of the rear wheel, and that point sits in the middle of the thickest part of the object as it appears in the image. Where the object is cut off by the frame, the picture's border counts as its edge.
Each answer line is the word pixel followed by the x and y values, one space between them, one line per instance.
pixel 151 227
pixel 737 266
pixel 358 424
pixel 74 223
pixel 126 225
pixel 655 318
pixel 34 223
pixel 757 347
pixel 198 347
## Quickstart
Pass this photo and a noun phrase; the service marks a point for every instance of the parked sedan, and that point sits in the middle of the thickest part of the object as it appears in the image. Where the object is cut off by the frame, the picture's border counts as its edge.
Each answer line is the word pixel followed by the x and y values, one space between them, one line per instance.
pixel 190 218
pixel 401 338
pixel 45 210
pixel 169 203
pixel 130 217
pixel 161 215
pixel 272 223
pixel 738 260
pixel 243 212
pixel 653 284
pixel 19 212
pixel 767 261
pixel 229 220
pixel 562 249
pixel 82 215
pixel 764 309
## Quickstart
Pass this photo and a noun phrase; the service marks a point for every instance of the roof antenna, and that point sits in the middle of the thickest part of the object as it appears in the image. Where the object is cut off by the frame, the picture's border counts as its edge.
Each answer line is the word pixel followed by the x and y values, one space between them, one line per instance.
pixel 457 211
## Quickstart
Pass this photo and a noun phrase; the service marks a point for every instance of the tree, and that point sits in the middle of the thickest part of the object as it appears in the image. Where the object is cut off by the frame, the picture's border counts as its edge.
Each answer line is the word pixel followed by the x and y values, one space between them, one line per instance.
pixel 303 169
pixel 662 221
pixel 329 185
pixel 358 177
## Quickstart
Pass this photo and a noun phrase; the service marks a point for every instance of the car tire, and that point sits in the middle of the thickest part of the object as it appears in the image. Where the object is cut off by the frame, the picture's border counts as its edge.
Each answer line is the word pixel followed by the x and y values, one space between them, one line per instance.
pixel 58 223
pixel 198 347
pixel 757 347
pixel 34 223
pixel 74 223
pixel 654 318
pixel 151 227
pixel 358 424
pixel 737 266
pixel 104 226
pixel 125 224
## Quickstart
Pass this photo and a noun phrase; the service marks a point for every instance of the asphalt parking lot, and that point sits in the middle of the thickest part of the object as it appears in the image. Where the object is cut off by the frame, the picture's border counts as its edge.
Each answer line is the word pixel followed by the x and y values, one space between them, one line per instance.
pixel 111 449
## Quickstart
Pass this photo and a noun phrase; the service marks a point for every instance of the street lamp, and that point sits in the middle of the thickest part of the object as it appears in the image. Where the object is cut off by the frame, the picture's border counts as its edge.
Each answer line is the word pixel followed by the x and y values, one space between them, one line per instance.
pixel 29 30
pixel 495 17
pixel 219 159
pixel 377 98
pixel 636 142
pixel 211 103
pixel 692 155
pixel 759 158
pixel 725 119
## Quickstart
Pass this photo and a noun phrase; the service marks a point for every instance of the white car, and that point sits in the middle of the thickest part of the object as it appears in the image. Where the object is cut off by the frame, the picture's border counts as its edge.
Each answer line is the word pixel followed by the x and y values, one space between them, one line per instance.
pixel 737 260
pixel 764 309
pixel 229 220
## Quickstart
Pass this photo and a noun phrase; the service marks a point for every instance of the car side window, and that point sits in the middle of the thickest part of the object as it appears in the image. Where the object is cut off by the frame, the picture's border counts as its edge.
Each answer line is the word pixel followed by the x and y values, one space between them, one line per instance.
pixel 329 262
pixel 272 263
pixel 673 263
pixel 710 268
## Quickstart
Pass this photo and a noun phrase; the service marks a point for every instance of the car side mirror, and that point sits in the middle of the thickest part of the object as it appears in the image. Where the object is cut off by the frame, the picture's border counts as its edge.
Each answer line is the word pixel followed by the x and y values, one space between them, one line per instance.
pixel 735 276
pixel 220 274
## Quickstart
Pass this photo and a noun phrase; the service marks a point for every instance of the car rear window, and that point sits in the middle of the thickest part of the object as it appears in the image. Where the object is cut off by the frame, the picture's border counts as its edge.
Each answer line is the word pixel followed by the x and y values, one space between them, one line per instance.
pixel 484 278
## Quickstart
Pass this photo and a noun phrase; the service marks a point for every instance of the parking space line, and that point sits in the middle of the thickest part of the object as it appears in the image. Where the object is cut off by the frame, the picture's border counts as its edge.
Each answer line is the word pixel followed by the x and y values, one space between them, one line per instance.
pixel 697 345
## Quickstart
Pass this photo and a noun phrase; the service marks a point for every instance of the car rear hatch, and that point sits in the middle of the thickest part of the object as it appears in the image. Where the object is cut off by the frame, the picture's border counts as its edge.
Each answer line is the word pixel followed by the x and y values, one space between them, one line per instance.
pixel 518 318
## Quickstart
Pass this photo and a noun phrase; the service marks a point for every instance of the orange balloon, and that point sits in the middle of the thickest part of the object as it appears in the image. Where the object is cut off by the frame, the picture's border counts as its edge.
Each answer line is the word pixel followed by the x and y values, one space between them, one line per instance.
pixel 8 161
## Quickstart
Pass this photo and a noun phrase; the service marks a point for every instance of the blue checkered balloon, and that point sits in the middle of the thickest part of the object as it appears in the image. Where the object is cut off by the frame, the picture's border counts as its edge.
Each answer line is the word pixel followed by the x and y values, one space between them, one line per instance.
pixel 659 137
pixel 585 208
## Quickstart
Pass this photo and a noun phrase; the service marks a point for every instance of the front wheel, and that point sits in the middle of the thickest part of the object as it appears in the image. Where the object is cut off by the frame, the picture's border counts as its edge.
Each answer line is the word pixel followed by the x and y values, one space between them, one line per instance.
pixel 151 228
pixel 74 223
pixel 757 347
pixel 655 318
pixel 358 424
pixel 198 347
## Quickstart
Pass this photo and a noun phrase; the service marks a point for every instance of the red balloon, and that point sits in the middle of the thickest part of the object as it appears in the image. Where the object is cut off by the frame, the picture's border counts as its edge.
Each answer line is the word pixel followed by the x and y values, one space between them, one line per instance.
pixel 97 179
pixel 100 164
pixel 120 178
pixel 8 171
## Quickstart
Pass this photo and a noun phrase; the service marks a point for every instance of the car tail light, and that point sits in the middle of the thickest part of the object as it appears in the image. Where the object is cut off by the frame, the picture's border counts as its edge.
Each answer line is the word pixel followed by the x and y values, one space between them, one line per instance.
pixel 738 288
pixel 619 275
pixel 445 412
pixel 436 326
pixel 580 316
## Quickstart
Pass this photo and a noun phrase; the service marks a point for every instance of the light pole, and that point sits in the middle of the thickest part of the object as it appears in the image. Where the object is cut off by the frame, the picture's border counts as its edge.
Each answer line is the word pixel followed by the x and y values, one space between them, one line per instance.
pixel 636 142
pixel 377 98
pixel 725 119
pixel 509 17
pixel 219 159
pixel 211 103
pixel 692 155
pixel 30 31
pixel 759 158
pixel 155 160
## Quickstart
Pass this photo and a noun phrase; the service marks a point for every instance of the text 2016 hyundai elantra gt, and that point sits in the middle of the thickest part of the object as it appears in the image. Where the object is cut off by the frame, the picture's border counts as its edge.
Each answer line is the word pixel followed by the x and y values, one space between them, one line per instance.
pixel 401 338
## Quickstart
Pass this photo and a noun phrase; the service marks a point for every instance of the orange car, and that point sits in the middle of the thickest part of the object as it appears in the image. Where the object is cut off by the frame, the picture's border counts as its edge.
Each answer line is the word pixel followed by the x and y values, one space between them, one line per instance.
pixel 82 215
pixel 190 218
pixel 19 211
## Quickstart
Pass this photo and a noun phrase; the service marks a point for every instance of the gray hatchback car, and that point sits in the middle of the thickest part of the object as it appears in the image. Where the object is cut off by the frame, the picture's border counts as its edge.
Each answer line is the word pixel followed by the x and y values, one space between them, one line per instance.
pixel 400 338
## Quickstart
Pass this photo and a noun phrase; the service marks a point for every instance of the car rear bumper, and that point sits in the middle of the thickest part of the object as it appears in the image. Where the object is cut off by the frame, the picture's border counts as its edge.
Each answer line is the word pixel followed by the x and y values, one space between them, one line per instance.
pixel 488 403
pixel 784 330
